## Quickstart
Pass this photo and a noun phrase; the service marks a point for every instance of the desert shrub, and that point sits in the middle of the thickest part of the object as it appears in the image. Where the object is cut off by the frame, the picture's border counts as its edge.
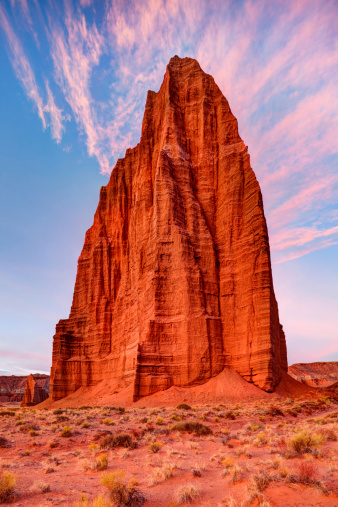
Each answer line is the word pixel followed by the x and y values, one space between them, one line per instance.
pixel 4 443
pixel 53 443
pixel 32 432
pixel 7 487
pixel 192 427
pixel 122 492
pixel 254 426
pixel 274 411
pixel 40 487
pixel 187 493
pixel 58 411
pixel 7 412
pixel 108 422
pixel 306 442
pixel 159 421
pixel 118 440
pixel 85 407
pixel 229 414
pixel 183 406
pixel 155 446
pixel 66 432
pixel 85 425
pixel 307 472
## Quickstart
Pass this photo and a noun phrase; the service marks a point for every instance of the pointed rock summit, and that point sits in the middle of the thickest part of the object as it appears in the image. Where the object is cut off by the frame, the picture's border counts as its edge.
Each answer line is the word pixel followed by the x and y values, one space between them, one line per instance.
pixel 174 280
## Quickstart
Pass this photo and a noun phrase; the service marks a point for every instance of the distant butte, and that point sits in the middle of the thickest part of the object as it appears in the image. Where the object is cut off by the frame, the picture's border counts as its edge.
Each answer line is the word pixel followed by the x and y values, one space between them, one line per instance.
pixel 174 281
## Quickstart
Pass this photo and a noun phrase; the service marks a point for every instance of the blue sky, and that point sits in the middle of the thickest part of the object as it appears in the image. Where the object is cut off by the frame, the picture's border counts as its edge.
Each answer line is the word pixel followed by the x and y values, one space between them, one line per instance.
pixel 74 81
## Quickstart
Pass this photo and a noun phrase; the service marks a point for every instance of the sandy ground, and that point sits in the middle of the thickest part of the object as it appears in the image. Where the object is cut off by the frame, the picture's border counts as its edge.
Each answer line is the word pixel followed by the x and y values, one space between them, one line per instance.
pixel 248 459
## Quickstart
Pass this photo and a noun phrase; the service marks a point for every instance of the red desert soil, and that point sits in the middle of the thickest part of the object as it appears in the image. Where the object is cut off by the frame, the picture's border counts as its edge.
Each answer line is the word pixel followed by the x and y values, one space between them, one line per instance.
pixel 248 459
pixel 227 385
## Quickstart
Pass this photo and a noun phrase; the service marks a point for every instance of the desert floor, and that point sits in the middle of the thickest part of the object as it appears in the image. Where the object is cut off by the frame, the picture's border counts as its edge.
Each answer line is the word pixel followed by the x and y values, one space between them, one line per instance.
pixel 281 453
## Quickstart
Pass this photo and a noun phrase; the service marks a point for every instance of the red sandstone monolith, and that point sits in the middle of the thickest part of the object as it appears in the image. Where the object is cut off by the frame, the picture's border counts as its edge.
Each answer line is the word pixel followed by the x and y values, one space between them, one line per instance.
pixel 36 390
pixel 174 280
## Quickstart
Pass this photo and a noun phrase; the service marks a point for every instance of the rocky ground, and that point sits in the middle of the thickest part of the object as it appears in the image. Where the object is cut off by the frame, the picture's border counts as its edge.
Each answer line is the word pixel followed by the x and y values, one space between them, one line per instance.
pixel 276 453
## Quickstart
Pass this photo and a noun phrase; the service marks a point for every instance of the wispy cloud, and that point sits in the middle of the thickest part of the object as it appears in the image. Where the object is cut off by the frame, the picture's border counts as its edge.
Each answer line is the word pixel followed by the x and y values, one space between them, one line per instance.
pixel 21 66
pixel 56 116
pixel 276 62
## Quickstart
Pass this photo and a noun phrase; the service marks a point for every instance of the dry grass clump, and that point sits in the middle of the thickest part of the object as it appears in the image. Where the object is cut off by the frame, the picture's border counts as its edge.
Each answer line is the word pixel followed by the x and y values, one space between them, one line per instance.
pixel 155 446
pixel 304 441
pixel 7 487
pixel 258 483
pixel 101 462
pixel 122 492
pixel 53 443
pixel 187 493
pixel 118 440
pixel 237 474
pixel 192 427
pixel 161 474
pixel 40 487
pixel 66 432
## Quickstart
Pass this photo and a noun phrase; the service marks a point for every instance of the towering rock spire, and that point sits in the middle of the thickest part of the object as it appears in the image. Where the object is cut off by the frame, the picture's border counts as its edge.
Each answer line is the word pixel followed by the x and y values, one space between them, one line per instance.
pixel 174 280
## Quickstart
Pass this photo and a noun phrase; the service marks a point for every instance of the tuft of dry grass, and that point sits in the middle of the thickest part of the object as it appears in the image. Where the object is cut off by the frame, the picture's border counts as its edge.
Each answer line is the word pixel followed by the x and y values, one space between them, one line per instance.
pixel 161 474
pixel 40 487
pixel 7 486
pixel 187 493
pixel 155 446
pixel 122 492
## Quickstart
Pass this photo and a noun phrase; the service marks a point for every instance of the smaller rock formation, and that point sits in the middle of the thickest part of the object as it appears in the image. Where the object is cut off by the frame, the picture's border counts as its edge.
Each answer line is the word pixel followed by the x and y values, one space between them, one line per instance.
pixel 320 374
pixel 36 390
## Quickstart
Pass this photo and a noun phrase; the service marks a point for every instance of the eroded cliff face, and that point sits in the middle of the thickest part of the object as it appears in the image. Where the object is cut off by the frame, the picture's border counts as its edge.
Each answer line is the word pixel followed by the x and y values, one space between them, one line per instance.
pixel 174 280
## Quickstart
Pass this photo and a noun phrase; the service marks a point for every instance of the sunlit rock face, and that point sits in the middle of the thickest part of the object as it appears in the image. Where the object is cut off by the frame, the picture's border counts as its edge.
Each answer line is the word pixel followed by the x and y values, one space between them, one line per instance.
pixel 36 390
pixel 174 280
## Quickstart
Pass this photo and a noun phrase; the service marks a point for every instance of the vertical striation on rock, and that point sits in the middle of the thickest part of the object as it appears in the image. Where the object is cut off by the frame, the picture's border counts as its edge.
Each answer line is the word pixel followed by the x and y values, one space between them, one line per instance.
pixel 174 280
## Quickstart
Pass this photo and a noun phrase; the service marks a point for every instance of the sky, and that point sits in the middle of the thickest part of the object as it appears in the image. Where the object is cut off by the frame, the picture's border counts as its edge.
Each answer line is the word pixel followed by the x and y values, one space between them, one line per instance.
pixel 74 80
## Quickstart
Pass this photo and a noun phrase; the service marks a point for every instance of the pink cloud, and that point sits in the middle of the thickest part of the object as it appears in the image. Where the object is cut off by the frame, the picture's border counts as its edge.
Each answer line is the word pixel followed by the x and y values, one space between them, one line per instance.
pixel 21 66
pixel 56 116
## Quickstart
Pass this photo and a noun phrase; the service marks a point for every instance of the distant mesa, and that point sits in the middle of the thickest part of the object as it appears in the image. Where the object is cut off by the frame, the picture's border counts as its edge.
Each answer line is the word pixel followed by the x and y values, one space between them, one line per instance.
pixel 174 281
pixel 320 374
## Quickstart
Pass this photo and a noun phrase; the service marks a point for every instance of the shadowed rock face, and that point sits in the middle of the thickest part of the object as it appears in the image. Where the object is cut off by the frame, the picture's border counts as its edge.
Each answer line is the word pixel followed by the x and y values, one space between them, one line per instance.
pixel 36 390
pixel 174 280
pixel 320 374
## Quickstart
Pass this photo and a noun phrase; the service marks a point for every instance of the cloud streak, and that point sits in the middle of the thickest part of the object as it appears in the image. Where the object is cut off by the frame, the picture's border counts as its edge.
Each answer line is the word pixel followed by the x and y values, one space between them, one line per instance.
pixel 21 66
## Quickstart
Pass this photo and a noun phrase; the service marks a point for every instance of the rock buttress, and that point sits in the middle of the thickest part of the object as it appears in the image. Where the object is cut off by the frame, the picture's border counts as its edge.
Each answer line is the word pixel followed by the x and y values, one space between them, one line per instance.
pixel 174 280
